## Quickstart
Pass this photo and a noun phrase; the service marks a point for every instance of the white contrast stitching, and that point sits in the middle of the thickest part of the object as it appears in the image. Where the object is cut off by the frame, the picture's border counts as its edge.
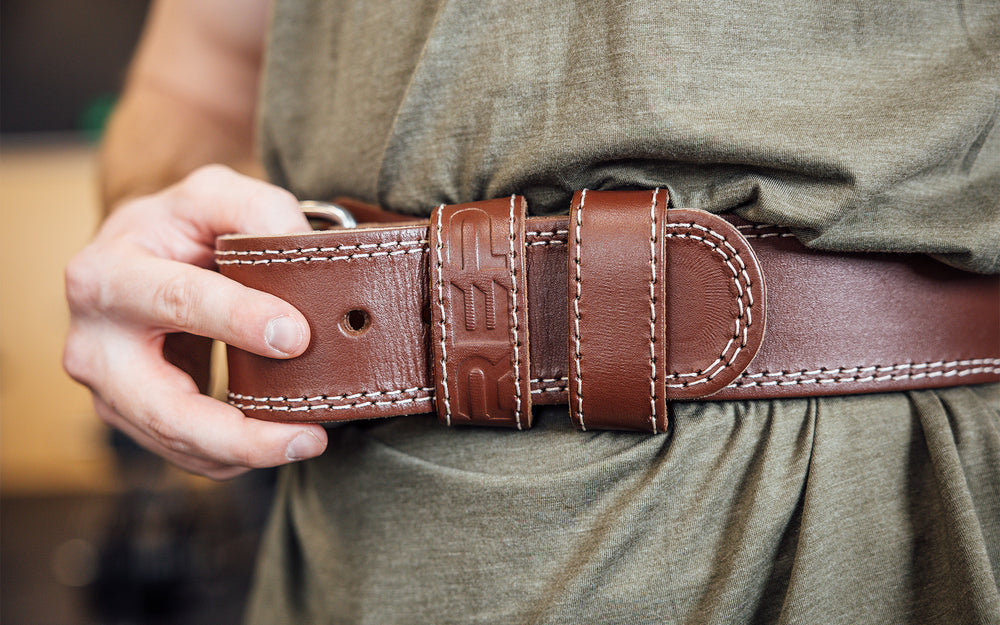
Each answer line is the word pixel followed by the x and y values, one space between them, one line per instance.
pixel 546 233
pixel 858 374
pixel 515 329
pixel 953 368
pixel 312 250
pixel 311 259
pixel 441 321
pixel 876 368
pixel 652 310
pixel 303 255
pixel 295 255
pixel 310 407
pixel 546 380
pixel 548 240
pixel 854 375
pixel 736 255
pixel 315 398
pixel 576 310
pixel 561 386
pixel 741 330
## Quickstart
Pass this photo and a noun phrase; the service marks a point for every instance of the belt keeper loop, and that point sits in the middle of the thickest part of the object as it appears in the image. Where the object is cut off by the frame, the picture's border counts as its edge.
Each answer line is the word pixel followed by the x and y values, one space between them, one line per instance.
pixel 617 310
pixel 479 313
pixel 664 305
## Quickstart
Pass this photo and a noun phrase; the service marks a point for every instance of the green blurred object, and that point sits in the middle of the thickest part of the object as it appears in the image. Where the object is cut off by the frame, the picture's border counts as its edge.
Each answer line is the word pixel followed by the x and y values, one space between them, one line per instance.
pixel 94 116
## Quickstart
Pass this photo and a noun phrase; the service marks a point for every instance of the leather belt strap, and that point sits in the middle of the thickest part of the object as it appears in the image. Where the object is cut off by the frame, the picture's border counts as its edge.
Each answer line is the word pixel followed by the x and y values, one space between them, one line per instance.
pixel 668 304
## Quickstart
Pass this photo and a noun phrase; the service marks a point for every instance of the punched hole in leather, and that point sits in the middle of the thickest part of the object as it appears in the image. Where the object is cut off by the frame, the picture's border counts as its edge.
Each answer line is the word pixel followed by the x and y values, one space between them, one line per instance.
pixel 356 321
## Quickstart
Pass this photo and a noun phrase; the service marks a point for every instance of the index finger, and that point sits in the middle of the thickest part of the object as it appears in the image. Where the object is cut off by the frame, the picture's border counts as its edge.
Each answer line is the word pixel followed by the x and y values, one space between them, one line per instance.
pixel 177 297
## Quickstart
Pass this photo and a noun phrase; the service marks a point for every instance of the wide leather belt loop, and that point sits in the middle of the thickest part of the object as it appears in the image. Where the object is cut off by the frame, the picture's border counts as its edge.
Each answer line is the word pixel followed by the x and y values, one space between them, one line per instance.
pixel 664 304
pixel 479 320
pixel 837 323
pixel 616 312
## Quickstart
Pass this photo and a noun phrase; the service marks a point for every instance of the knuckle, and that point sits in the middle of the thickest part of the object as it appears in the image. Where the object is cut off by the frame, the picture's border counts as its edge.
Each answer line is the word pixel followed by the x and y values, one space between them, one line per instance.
pixel 166 433
pixel 175 299
pixel 76 358
pixel 83 290
pixel 240 324
pixel 206 178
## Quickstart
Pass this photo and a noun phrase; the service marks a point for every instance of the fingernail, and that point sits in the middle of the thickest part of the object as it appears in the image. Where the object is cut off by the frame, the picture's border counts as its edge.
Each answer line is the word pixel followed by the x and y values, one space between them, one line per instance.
pixel 305 445
pixel 283 334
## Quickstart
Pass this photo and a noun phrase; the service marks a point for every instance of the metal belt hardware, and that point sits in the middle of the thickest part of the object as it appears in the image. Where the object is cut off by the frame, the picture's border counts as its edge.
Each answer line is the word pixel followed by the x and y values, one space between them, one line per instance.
pixel 328 212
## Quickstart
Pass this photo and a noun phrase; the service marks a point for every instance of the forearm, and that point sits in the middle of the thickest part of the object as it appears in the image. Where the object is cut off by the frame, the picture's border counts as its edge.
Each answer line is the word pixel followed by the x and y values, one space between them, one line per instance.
pixel 147 275
pixel 155 139
pixel 189 99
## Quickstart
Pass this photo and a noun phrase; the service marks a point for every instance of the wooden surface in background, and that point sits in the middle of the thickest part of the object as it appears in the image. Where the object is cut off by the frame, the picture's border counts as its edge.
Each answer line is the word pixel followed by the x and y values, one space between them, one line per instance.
pixel 50 439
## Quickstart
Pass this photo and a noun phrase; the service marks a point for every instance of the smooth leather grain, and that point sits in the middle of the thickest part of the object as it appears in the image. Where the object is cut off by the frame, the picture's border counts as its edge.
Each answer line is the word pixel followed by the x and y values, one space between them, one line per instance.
pixel 835 323
pixel 615 294
pixel 664 304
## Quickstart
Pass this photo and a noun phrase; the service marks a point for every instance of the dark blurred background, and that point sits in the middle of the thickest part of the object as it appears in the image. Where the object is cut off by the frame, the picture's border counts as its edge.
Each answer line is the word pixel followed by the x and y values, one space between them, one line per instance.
pixel 62 61
pixel 92 528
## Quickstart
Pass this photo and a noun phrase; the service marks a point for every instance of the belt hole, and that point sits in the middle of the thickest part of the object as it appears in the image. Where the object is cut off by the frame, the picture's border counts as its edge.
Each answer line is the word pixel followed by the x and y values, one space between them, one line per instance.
pixel 356 321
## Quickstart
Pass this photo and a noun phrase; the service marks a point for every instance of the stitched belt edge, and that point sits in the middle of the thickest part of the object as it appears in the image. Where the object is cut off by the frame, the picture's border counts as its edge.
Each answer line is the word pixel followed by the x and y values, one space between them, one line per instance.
pixel 836 323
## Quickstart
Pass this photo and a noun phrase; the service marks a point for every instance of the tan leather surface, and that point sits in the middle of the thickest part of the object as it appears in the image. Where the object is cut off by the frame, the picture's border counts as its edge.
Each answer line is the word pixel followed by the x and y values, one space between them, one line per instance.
pixel 716 304
pixel 836 323
pixel 479 322
pixel 616 296
pixel 663 304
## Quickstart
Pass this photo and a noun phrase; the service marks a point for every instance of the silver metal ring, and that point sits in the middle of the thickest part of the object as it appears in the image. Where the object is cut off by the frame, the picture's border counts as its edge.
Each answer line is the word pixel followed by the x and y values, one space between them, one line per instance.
pixel 330 213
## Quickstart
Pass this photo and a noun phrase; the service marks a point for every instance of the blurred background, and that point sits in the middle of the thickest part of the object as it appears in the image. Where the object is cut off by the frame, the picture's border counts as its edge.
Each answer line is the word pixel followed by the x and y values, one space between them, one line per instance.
pixel 92 528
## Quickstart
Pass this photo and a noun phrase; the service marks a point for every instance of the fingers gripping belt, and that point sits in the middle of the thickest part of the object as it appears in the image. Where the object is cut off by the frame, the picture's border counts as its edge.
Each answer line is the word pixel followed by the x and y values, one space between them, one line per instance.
pixel 663 305
pixel 479 320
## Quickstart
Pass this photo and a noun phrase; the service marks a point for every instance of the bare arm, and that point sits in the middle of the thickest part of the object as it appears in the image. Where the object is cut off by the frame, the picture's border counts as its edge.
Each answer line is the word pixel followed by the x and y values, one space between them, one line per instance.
pixel 188 102
pixel 189 99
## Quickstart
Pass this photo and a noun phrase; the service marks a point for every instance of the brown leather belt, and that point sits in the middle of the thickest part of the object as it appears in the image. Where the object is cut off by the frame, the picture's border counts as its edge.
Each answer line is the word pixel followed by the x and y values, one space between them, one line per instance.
pixel 619 307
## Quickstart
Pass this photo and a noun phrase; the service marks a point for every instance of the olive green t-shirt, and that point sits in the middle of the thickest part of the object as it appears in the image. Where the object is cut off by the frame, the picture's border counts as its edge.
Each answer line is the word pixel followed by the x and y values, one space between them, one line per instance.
pixel 861 125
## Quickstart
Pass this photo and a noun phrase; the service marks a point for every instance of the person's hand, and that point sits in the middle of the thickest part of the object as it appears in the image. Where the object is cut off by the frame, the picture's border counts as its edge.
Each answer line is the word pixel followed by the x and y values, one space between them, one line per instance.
pixel 149 272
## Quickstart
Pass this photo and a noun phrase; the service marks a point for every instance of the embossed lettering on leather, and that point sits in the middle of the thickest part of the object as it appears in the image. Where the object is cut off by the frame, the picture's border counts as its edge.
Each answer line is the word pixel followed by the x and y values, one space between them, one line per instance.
pixel 479 323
